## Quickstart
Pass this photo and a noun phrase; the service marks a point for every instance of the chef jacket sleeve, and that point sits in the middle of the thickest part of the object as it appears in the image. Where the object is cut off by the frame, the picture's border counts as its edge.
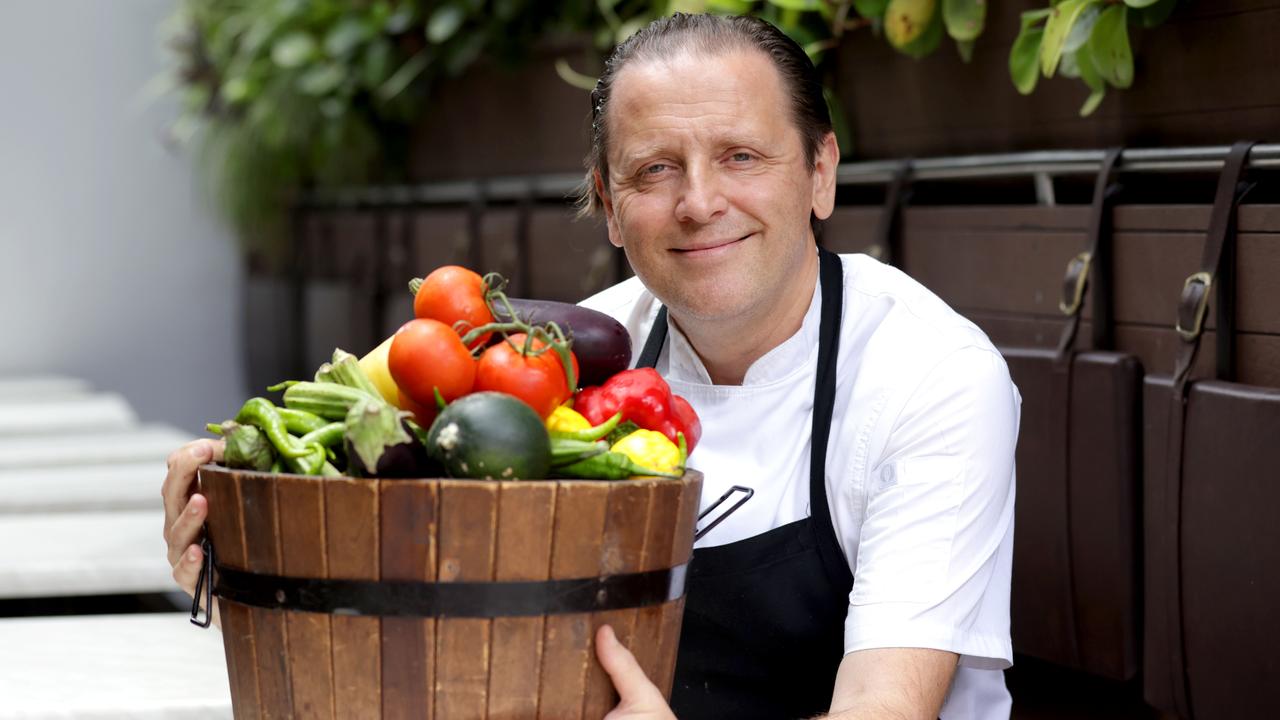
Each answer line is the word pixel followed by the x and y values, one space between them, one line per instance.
pixel 936 543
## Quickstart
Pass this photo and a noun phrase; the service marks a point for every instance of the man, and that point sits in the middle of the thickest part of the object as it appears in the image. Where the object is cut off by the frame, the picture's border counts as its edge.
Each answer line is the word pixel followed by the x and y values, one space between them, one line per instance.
pixel 869 574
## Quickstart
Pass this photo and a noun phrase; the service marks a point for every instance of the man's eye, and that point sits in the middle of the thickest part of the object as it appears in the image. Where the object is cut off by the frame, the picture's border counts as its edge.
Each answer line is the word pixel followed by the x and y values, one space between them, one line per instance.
pixel 655 169
pixel 741 157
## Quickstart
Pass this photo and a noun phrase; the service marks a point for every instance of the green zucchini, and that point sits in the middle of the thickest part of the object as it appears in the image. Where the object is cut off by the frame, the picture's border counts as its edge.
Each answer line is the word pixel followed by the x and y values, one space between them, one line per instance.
pixel 491 436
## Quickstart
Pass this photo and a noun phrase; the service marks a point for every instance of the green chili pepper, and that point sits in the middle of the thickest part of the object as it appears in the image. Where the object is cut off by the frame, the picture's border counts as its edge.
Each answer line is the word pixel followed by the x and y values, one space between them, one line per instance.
pixel 592 433
pixel 310 464
pixel 300 422
pixel 326 435
pixel 565 451
pixel 609 466
pixel 262 413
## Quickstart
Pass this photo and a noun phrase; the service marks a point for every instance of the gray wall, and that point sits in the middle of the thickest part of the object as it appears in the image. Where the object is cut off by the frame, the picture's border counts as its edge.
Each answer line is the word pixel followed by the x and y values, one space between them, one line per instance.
pixel 112 266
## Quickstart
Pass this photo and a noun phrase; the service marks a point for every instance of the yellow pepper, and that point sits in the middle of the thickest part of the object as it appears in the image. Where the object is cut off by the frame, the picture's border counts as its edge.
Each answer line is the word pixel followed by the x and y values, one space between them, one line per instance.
pixel 566 420
pixel 650 449
pixel 375 366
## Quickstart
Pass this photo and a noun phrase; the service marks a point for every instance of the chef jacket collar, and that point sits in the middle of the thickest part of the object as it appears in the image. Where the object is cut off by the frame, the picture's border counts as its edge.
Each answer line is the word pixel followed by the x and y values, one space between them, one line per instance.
pixel 792 355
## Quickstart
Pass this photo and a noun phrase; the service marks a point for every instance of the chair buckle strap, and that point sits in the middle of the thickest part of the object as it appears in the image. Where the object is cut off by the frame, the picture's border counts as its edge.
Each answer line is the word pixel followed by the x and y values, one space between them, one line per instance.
pixel 1193 304
pixel 1073 285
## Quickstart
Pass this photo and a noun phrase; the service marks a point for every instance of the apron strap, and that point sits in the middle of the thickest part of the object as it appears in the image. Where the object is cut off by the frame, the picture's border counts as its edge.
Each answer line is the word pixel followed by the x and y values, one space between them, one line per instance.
pixel 1191 312
pixel 657 338
pixel 831 273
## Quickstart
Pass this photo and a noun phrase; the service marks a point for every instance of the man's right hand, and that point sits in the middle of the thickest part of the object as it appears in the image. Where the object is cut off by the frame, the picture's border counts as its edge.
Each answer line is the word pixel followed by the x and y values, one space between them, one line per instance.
pixel 185 511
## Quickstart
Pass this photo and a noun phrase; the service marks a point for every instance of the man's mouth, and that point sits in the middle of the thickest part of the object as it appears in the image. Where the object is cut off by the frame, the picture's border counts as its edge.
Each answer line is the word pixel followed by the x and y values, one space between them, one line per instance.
pixel 713 247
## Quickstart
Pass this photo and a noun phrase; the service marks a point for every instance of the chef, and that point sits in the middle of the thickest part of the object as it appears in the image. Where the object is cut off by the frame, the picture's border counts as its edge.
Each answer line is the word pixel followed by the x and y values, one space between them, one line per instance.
pixel 868 574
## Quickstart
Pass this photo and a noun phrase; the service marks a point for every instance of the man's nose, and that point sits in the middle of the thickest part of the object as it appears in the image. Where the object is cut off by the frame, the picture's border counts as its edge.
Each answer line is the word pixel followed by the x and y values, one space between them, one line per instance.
pixel 702 196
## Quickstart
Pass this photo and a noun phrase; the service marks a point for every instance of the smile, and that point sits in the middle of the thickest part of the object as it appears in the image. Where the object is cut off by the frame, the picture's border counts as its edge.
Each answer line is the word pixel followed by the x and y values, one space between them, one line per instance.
pixel 710 250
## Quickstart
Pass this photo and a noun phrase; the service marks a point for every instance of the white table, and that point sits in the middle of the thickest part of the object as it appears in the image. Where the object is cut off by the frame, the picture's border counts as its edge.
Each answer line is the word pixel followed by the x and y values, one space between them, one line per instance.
pixel 148 443
pixel 101 412
pixel 87 488
pixel 84 553
pixel 41 387
pixel 104 667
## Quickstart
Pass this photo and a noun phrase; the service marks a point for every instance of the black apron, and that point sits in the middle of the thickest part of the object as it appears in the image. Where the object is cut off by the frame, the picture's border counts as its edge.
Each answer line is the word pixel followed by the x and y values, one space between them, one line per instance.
pixel 763 631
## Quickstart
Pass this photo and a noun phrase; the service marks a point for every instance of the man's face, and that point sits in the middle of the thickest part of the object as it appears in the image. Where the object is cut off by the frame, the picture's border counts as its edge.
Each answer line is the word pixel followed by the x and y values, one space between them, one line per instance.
pixel 708 189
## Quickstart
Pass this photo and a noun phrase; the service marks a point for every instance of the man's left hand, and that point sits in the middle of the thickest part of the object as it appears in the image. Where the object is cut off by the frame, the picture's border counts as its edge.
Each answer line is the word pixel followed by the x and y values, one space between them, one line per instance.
pixel 640 698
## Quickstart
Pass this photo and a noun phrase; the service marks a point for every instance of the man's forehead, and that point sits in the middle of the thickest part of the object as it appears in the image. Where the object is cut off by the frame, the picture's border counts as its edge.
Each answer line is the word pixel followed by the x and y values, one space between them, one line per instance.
pixel 738 88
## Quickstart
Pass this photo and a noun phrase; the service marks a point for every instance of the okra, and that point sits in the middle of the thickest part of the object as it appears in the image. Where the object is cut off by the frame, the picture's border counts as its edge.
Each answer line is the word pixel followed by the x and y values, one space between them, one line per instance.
pixel 345 370
pixel 328 400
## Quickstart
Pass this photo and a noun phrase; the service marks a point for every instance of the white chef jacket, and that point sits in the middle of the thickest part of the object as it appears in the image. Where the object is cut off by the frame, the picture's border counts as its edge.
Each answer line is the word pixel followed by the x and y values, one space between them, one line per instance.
pixel 920 465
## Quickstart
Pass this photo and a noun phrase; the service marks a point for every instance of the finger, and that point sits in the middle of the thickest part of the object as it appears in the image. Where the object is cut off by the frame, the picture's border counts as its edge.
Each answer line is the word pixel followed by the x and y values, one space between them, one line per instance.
pixel 633 686
pixel 185 530
pixel 187 569
pixel 179 481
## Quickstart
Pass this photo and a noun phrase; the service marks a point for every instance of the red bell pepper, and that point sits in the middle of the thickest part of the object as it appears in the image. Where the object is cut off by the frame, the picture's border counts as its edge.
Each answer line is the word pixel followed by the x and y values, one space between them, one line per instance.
pixel 644 398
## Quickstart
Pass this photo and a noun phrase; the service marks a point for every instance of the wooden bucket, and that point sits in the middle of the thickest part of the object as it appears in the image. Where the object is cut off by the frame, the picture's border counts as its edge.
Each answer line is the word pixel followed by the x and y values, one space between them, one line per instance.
pixel 460 613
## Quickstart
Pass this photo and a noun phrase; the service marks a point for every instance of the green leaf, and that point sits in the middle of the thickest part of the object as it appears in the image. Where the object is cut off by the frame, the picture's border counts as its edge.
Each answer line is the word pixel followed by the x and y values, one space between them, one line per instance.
pixel 964 18
pixel 322 79
pixel 1154 15
pixel 796 4
pixel 1089 74
pixel 293 50
pixel 1081 30
pixel 464 53
pixel 345 36
pixel 839 123
pixel 687 6
pixel 236 90
pixel 402 78
pixel 1033 17
pixel 629 28
pixel 873 9
pixel 965 48
pixel 375 66
pixel 444 22
pixel 1140 3
pixel 1056 31
pixel 907 21
pixel 729 7
pixel 1108 47
pixel 929 40
pixel 402 19
pixel 1024 59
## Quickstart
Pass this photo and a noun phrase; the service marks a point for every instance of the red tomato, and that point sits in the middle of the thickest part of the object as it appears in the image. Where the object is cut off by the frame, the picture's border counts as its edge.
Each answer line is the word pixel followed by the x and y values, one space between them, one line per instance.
pixel 427 354
pixel 538 380
pixel 424 415
pixel 452 293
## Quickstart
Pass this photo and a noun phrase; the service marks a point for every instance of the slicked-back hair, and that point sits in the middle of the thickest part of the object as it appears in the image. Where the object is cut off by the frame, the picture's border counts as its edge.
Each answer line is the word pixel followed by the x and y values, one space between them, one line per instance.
pixel 710 35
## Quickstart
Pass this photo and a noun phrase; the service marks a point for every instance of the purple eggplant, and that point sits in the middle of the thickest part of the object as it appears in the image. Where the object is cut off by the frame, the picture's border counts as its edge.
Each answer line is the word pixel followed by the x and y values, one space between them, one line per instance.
pixel 602 344
pixel 380 442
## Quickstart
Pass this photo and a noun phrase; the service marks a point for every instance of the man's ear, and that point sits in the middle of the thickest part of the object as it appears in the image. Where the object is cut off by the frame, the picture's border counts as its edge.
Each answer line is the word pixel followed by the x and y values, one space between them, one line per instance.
pixel 615 238
pixel 824 177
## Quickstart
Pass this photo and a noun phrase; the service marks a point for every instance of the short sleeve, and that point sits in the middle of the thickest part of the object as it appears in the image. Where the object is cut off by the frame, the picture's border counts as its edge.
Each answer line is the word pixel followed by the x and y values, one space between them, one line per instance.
pixel 935 549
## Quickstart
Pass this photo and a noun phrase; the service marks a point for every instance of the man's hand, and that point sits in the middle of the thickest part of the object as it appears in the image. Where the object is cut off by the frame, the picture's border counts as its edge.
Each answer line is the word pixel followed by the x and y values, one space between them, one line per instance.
pixel 185 511
pixel 640 698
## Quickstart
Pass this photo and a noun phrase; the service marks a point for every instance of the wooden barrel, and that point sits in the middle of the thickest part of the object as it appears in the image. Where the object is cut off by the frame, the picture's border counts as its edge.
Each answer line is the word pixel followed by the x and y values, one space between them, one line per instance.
pixel 347 598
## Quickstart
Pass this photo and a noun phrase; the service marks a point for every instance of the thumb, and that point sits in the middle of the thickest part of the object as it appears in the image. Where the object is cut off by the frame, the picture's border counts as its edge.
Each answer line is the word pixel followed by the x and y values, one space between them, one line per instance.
pixel 637 693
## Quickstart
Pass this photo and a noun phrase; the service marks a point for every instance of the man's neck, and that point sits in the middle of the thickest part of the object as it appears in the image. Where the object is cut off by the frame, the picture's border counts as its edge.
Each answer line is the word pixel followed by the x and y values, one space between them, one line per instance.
pixel 729 348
